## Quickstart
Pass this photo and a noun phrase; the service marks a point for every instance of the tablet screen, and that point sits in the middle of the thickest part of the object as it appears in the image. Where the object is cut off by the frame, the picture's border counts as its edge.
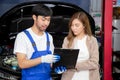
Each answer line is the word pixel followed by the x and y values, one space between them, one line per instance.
pixel 68 57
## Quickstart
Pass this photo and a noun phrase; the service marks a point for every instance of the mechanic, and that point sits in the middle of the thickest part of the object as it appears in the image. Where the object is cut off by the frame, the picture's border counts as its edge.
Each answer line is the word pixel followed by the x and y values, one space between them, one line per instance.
pixel 34 46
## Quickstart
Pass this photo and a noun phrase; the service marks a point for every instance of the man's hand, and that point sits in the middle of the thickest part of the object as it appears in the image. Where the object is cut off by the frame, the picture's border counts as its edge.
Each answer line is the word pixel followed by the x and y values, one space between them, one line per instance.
pixel 60 69
pixel 50 58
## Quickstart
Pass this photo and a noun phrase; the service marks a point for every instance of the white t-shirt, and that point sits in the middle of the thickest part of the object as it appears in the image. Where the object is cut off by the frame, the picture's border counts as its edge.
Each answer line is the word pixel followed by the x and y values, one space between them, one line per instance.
pixel 83 55
pixel 23 44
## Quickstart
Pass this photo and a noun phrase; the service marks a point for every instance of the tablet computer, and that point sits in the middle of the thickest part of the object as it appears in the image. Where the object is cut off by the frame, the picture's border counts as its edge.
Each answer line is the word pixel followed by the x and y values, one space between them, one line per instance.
pixel 68 57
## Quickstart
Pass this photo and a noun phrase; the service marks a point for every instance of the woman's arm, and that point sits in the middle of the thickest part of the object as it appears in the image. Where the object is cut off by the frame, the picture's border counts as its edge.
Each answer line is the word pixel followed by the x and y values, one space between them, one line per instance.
pixel 93 61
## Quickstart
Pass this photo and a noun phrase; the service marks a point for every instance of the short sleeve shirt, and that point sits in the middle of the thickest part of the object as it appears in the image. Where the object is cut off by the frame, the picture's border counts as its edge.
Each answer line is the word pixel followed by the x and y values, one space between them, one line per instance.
pixel 23 44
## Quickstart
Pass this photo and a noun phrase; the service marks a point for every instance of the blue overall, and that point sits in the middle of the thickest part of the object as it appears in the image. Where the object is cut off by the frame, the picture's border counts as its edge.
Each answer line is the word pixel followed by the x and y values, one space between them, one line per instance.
pixel 42 70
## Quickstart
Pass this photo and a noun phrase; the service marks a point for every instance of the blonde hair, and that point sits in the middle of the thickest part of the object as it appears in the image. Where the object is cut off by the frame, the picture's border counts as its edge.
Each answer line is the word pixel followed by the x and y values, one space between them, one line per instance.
pixel 81 16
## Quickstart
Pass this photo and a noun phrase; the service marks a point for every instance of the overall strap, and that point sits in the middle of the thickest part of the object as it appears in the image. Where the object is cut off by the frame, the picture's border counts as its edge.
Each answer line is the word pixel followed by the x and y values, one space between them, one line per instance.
pixel 31 40
pixel 48 41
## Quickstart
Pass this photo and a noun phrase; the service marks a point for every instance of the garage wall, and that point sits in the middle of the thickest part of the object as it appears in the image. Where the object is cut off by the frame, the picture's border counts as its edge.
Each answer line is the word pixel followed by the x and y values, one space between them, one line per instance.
pixel 5 5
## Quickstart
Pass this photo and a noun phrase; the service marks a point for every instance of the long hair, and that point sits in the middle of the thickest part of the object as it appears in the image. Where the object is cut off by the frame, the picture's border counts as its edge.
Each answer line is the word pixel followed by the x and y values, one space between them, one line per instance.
pixel 82 17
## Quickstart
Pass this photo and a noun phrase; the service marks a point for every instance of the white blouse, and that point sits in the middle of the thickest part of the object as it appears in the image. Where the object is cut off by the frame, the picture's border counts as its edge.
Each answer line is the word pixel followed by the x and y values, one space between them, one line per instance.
pixel 83 55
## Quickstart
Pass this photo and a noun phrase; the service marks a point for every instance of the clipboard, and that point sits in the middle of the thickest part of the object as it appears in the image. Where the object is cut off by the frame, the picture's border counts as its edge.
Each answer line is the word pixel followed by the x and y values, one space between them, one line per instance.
pixel 68 57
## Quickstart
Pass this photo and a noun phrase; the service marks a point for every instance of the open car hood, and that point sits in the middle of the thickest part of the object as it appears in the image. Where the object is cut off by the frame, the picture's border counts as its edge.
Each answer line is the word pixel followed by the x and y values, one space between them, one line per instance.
pixel 19 18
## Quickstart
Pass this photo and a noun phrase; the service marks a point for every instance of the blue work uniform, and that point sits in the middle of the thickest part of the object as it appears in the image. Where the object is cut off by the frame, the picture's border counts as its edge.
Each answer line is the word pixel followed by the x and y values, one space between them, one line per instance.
pixel 42 70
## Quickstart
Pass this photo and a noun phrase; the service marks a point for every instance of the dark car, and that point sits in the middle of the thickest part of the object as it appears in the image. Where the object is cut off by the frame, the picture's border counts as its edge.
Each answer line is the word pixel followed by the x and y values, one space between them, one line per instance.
pixel 19 18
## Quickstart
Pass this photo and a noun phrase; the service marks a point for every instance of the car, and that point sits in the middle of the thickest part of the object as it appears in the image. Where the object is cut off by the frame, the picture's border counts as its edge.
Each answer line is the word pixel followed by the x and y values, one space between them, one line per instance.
pixel 19 18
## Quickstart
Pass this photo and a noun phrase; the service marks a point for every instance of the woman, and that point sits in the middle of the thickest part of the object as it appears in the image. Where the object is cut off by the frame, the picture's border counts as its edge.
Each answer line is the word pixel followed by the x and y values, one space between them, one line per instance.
pixel 80 37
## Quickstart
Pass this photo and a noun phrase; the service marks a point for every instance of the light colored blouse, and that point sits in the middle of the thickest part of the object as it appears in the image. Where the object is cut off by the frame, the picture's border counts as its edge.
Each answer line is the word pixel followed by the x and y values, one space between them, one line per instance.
pixel 83 55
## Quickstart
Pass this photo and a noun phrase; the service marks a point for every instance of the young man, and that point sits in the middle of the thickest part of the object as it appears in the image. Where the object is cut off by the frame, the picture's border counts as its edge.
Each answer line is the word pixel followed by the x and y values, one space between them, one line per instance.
pixel 34 47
